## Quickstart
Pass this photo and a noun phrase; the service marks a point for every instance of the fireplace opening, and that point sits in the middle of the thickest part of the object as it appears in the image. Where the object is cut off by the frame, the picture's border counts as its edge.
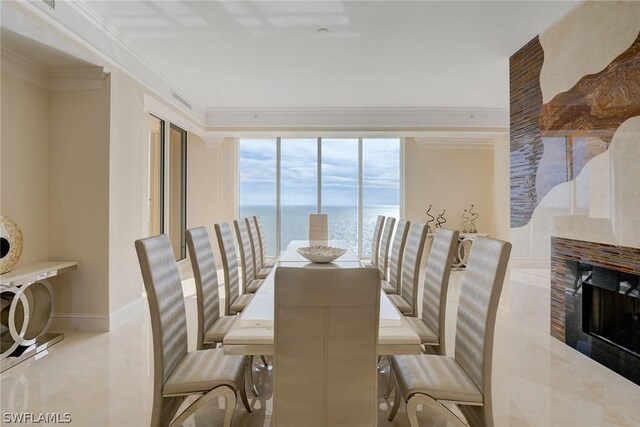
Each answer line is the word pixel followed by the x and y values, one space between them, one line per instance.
pixel 611 306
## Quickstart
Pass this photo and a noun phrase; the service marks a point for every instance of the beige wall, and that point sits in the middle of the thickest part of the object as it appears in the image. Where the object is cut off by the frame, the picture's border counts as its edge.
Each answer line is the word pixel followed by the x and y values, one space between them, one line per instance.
pixel 79 204
pixel 449 179
pixel 128 153
pixel 203 201
pixel 24 167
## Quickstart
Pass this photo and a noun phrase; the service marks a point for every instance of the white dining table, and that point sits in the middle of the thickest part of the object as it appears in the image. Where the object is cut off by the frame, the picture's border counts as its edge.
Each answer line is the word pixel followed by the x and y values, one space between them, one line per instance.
pixel 252 333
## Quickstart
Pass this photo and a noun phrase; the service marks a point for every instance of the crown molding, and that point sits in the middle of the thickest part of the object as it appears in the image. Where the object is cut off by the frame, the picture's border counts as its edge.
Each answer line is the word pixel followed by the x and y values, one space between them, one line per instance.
pixel 356 117
pixel 84 8
pixel 78 78
pixel 80 23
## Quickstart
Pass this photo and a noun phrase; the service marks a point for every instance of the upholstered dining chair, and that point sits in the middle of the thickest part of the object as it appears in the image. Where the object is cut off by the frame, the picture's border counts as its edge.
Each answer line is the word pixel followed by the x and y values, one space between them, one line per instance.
pixel 250 283
pixel 407 301
pixel 266 261
pixel 430 325
pixel 211 326
pixel 375 241
pixel 256 250
pixel 391 285
pixel 385 243
pixel 318 229
pixel 325 353
pixel 465 379
pixel 178 373
pixel 234 302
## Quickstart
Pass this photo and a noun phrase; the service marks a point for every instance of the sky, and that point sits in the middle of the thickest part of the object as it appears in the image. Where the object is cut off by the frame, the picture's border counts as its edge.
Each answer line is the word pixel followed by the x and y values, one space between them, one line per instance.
pixel 381 172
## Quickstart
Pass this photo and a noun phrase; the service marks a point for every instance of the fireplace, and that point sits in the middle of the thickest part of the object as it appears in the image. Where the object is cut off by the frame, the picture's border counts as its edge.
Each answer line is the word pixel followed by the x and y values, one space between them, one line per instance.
pixel 595 302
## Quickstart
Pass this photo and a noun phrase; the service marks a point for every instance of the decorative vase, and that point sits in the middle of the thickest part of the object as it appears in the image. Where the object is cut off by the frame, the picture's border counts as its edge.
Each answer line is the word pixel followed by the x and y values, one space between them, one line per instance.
pixel 10 244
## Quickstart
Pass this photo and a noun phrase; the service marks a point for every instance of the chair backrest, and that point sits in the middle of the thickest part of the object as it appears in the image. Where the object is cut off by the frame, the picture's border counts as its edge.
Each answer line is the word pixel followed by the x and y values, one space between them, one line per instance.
pixel 246 255
pixel 397 252
pixel 205 274
pixel 411 264
pixel 255 242
pixel 477 309
pixel 375 243
pixel 436 282
pixel 385 243
pixel 262 237
pixel 318 229
pixel 325 355
pixel 168 318
pixel 229 264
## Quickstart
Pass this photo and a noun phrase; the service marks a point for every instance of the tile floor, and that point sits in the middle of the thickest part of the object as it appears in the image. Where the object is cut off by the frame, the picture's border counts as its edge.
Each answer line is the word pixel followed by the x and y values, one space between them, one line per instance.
pixel 105 379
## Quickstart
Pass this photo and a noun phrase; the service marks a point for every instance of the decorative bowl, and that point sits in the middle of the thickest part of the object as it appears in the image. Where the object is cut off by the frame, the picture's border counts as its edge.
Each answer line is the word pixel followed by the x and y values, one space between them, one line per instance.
pixel 321 254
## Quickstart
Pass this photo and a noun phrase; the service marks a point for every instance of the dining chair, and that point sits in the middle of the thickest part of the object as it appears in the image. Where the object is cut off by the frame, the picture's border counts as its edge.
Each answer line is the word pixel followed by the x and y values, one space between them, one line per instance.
pixel 178 373
pixel 318 229
pixel 325 353
pixel 465 379
pixel 430 325
pixel 266 261
pixel 212 327
pixel 391 285
pixel 375 242
pixel 256 250
pixel 234 302
pixel 250 283
pixel 385 243
pixel 406 301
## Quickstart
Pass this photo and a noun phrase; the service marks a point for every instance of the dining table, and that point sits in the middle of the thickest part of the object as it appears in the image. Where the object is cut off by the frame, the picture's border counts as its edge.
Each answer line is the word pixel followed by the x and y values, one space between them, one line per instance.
pixel 253 331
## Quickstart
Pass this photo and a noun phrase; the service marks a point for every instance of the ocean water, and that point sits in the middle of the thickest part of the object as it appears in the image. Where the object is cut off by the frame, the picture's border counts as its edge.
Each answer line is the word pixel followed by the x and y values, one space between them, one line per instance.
pixel 343 223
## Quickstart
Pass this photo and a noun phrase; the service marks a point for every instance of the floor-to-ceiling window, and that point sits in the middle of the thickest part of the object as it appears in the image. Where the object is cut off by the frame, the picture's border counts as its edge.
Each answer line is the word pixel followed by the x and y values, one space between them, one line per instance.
pixel 380 185
pixel 353 180
pixel 168 182
pixel 340 188
pixel 177 190
pixel 257 185
pixel 298 187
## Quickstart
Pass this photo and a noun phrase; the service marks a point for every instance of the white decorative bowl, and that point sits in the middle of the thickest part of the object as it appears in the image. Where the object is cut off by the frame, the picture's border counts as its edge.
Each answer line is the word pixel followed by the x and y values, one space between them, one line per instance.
pixel 321 254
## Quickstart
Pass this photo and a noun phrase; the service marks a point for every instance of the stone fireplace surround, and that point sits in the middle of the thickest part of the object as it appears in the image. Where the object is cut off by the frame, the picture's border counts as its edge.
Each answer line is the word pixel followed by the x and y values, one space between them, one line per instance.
pixel 566 309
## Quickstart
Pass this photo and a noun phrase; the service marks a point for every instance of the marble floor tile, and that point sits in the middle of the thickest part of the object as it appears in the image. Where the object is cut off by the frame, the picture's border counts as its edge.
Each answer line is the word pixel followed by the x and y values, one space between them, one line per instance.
pixel 105 379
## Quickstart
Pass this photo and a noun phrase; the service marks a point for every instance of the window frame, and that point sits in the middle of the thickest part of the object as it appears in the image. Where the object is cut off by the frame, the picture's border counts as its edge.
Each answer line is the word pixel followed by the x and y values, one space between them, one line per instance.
pixel 320 137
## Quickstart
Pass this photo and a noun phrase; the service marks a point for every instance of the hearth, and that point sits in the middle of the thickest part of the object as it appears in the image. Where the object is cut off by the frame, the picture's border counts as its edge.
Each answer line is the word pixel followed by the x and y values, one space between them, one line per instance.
pixel 595 298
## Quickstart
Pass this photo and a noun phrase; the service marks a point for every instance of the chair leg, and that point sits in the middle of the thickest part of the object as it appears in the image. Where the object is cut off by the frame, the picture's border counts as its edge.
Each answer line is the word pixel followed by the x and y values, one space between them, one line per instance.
pixel 254 390
pixel 396 403
pixel 264 361
pixel 206 399
pixel 243 396
pixel 426 401
pixel 390 385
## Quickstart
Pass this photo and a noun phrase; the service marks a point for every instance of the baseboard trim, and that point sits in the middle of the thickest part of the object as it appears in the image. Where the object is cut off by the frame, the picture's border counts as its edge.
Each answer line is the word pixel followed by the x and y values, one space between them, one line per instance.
pixel 84 322
pixel 89 322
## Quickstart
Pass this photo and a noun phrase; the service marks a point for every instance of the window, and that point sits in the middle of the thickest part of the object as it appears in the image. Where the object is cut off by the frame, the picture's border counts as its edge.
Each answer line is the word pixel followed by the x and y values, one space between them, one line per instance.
pixel 353 180
pixel 168 183
pixel 298 188
pixel 257 179
pixel 178 190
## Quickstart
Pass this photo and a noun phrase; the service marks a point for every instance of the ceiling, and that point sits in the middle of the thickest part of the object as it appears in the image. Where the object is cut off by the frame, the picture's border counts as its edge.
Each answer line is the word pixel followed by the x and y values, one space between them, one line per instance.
pixel 237 54
pixel 38 53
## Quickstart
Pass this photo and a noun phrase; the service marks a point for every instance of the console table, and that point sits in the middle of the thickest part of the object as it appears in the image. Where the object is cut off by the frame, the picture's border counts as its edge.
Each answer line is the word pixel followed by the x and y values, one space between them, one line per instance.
pixel 26 300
